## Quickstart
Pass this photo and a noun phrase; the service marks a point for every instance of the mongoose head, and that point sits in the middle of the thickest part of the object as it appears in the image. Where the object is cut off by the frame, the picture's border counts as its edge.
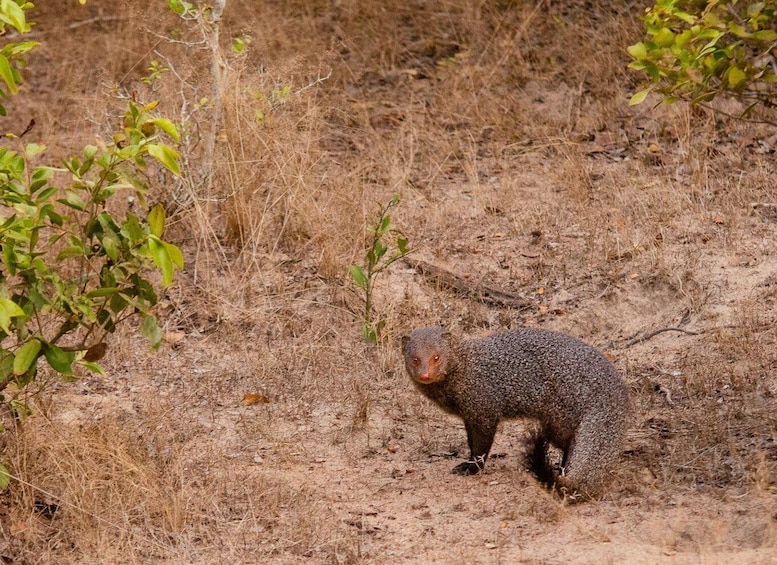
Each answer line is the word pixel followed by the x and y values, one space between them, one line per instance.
pixel 428 355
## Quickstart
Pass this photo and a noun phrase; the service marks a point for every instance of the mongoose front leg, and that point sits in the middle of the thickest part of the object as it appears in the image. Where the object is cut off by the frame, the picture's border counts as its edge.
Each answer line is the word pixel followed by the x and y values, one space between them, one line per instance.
pixel 480 436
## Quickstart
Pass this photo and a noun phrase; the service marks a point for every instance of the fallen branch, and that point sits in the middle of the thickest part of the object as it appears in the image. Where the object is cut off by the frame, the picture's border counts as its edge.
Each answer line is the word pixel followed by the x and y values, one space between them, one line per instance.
pixel 456 283
pixel 645 337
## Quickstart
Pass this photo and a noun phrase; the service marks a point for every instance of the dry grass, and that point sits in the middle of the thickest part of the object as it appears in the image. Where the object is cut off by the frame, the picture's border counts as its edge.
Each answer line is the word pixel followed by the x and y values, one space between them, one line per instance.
pixel 504 128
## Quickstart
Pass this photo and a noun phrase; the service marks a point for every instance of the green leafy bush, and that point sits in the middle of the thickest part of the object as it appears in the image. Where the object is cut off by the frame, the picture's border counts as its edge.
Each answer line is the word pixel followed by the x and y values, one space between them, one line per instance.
pixel 696 50
pixel 72 267
pixel 74 256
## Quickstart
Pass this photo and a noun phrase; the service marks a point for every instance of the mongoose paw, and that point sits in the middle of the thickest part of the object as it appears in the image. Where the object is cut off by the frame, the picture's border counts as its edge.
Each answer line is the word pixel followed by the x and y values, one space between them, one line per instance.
pixel 471 467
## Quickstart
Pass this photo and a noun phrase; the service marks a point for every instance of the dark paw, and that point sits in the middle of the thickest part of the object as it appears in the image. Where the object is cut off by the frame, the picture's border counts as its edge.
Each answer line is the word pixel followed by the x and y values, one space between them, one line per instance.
pixel 471 467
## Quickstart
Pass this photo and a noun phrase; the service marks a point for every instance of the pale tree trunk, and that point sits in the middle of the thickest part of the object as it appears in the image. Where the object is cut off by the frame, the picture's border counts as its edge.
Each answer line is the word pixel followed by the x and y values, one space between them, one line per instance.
pixel 217 67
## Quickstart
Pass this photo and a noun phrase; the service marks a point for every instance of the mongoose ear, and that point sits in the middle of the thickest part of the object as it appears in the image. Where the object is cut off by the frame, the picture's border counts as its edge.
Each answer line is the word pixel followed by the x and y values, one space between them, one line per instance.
pixel 446 335
pixel 405 340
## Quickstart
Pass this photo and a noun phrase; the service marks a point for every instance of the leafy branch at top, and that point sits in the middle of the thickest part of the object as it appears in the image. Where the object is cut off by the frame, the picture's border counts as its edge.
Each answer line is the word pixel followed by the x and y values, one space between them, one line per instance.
pixel 696 51
pixel 11 54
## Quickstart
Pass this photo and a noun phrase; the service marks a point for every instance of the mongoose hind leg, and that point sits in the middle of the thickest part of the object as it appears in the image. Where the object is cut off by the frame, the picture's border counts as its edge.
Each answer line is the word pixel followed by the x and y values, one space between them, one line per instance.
pixel 537 458
pixel 480 437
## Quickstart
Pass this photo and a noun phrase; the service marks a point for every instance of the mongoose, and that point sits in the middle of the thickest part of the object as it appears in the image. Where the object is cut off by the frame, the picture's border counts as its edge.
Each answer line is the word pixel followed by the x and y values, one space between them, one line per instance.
pixel 573 391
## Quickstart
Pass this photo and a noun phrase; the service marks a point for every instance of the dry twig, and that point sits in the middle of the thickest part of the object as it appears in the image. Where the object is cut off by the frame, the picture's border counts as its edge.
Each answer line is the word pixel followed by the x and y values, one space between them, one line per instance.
pixel 647 336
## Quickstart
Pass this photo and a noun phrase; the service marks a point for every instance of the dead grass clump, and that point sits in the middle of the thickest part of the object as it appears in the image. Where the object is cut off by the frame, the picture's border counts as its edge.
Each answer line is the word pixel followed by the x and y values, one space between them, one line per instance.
pixel 717 427
pixel 270 159
pixel 96 493
pixel 92 490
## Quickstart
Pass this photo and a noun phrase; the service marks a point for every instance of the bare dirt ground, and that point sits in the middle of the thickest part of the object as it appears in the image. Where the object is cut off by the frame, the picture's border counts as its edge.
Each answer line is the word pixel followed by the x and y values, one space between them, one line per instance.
pixel 506 131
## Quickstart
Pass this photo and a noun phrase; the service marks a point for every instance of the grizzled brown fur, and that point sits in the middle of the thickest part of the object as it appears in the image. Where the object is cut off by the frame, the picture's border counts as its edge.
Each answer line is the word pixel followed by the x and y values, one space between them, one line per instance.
pixel 573 391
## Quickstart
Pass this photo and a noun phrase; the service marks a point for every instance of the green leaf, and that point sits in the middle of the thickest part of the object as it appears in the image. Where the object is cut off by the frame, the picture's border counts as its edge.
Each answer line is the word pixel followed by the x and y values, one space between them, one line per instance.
pixel 385 224
pixel 176 6
pixel 687 18
pixel 664 37
pixel 22 48
pixel 72 251
pixel 45 194
pixel 132 229
pixel 162 259
pixel 6 364
pixel 33 149
pixel 5 477
pixel 90 365
pixel 735 77
pixel 152 331
pixel 638 51
pixel 102 292
pixel 357 273
pixel 739 31
pixel 8 309
pixel 168 127
pixel 9 258
pixel 138 305
pixel 380 250
pixel 175 254
pixel 106 221
pixel 73 200
pixel 143 289
pixel 682 39
pixel 167 156
pixel 26 357
pixel 118 303
pixel 156 220
pixel 639 97
pixel 15 16
pixel 767 35
pixel 106 320
pixel 705 97
pixel 48 212
pixel 8 75
pixel 89 152
pixel 11 308
pixel 25 209
pixel 111 245
pixel 59 360
pixel 402 245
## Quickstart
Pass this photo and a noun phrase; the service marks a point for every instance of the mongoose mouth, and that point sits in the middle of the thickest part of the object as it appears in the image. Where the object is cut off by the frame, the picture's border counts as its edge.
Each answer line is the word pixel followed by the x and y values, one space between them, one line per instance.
pixel 426 379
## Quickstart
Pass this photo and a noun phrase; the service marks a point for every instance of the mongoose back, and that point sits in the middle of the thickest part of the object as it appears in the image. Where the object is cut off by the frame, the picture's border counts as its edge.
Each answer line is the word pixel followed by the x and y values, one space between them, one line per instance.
pixel 573 391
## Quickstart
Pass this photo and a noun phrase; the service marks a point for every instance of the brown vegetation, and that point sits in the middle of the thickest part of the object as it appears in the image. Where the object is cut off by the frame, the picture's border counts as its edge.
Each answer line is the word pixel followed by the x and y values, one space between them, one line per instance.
pixel 504 126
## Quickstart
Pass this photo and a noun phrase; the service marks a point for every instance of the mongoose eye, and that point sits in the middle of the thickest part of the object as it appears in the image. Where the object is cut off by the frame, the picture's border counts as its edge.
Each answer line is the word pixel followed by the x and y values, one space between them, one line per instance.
pixel 415 361
pixel 436 358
